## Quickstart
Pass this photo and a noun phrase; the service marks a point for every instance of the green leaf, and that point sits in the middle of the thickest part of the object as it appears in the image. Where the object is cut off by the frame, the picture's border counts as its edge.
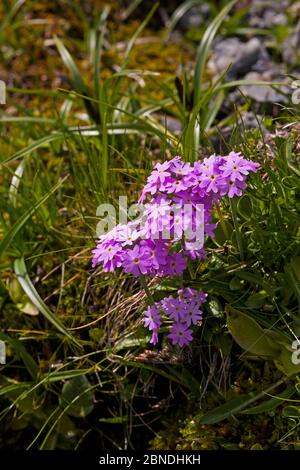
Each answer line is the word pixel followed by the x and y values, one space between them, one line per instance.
pixel 216 308
pixel 138 31
pixel 28 307
pixel 235 405
pixel 271 404
pixel 96 334
pixel 254 279
pixel 223 232
pixel 291 412
pixel 222 412
pixel 236 284
pixel 59 375
pixel 257 446
pixel 250 335
pixel 99 33
pixel 285 362
pixel 256 300
pixel 245 207
pixel 77 397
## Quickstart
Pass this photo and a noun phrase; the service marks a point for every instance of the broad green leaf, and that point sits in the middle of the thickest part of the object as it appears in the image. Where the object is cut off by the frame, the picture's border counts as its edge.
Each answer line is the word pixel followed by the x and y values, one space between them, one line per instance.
pixel 285 362
pixel 236 405
pixel 271 404
pixel 223 232
pixel 236 284
pixel 77 397
pixel 249 334
pixel 257 446
pixel 19 297
pixel 229 408
pixel 291 412
pixel 216 308
pixel 256 300
pixel 254 279
pixel 28 307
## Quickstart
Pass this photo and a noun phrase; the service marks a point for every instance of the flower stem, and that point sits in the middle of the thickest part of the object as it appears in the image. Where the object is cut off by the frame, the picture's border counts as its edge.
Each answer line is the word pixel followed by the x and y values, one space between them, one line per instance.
pixel 223 225
pixel 146 288
pixel 237 229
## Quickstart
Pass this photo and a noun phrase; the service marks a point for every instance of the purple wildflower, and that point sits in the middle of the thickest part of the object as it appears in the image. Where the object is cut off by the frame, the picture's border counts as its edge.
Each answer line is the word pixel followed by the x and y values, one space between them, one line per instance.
pixel 167 235
pixel 152 318
pixel 180 334
pixel 135 261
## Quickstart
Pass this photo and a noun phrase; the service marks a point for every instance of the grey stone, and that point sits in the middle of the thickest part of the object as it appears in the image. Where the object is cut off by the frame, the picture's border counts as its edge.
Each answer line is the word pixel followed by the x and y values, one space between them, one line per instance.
pixel 290 48
pixel 265 14
pixel 247 120
pixel 240 56
pixel 194 17
pixel 173 124
pixel 266 94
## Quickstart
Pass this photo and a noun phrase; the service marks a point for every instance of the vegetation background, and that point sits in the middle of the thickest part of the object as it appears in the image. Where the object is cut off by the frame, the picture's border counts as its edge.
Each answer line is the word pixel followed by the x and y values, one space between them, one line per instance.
pixel 96 93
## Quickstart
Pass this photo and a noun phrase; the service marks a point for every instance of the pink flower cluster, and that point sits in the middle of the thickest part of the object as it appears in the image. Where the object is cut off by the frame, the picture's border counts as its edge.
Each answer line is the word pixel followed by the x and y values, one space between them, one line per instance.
pixel 182 311
pixel 156 243
pixel 141 246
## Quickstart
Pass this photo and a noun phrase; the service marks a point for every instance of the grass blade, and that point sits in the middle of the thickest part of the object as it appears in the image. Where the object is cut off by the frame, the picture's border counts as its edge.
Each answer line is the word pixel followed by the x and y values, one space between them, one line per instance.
pixel 29 289
pixel 11 233
pixel 34 146
pixel 77 80
pixel 204 48
pixel 28 360
pixel 178 13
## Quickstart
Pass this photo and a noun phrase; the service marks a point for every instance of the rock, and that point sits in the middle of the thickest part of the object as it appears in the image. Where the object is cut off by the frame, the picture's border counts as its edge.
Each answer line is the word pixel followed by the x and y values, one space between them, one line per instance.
pixel 247 120
pixel 172 124
pixel 241 55
pixel 266 94
pixel 290 48
pixel 194 17
pixel 265 14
